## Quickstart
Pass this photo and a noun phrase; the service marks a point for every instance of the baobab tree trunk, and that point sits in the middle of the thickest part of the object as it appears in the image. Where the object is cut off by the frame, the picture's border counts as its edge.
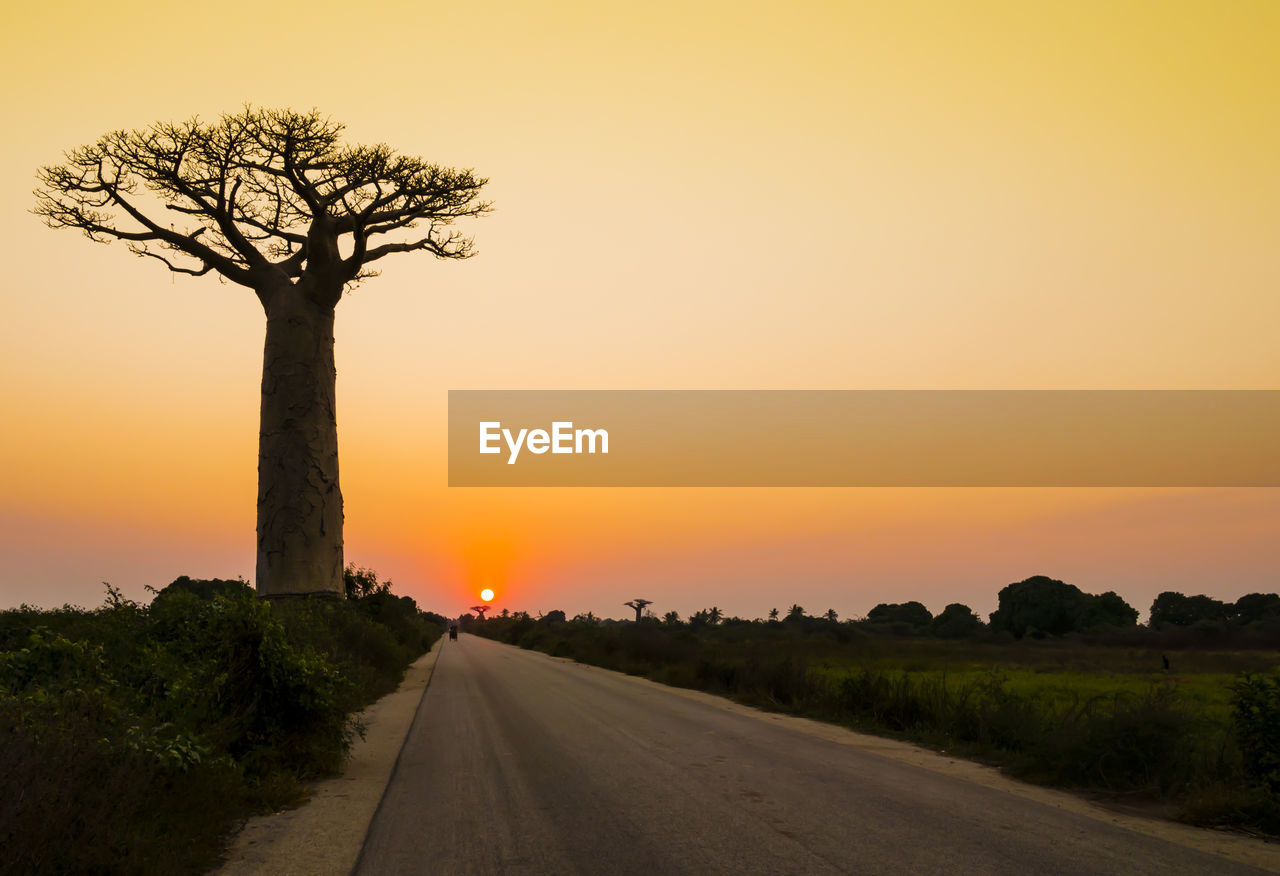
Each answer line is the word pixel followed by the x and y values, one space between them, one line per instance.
pixel 299 500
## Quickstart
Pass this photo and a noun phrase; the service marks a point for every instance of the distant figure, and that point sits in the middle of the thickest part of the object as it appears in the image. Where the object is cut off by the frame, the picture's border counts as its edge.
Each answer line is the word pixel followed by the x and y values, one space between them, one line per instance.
pixel 1166 662
pixel 453 634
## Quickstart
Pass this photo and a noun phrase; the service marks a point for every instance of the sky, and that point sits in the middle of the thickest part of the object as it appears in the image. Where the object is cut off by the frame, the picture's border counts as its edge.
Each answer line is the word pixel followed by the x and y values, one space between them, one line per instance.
pixel 917 195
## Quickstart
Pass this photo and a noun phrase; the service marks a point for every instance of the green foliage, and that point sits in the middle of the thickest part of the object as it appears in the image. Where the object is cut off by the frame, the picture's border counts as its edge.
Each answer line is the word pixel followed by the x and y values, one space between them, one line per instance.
pixel 205 588
pixel 139 734
pixel 1256 716
pixel 362 582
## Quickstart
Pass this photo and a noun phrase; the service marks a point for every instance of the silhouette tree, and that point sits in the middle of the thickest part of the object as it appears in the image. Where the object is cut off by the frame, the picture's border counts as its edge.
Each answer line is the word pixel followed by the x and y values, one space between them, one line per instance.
pixel 956 621
pixel 773 614
pixel 831 615
pixel 714 616
pixel 671 618
pixel 795 613
pixel 1106 610
pixel 1253 607
pixel 912 615
pixel 271 200
pixel 481 609
pixel 1040 605
pixel 1175 609
pixel 639 606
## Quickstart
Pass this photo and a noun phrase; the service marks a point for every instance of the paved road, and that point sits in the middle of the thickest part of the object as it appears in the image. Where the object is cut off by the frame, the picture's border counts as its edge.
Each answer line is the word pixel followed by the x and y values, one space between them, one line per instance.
pixel 518 763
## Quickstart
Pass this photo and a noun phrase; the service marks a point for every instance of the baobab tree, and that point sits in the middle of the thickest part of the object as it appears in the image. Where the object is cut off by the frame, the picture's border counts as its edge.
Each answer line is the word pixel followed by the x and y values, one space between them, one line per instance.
pixel 481 609
pixel 271 200
pixel 639 606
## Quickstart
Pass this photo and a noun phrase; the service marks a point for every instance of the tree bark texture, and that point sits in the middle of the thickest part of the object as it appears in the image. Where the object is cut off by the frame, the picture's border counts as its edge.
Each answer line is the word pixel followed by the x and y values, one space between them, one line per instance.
pixel 299 500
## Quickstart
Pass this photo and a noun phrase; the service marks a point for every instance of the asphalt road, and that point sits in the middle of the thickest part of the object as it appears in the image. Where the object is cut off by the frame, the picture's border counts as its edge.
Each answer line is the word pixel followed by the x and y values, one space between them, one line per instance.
pixel 519 763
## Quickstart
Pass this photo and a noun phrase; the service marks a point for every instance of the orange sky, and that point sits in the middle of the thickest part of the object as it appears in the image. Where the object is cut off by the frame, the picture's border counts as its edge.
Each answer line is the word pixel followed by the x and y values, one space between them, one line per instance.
pixel 706 195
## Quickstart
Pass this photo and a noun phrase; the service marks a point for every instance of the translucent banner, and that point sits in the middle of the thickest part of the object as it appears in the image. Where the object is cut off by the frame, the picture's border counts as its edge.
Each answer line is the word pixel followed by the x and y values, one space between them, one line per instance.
pixel 864 438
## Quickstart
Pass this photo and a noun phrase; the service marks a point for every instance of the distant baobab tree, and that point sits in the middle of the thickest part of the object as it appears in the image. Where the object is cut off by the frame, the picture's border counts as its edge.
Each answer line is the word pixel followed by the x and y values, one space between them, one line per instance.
pixel 271 200
pixel 481 609
pixel 639 606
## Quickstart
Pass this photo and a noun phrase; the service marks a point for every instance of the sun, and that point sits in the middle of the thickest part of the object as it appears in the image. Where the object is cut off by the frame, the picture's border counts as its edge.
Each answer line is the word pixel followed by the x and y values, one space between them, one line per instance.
pixel 486 594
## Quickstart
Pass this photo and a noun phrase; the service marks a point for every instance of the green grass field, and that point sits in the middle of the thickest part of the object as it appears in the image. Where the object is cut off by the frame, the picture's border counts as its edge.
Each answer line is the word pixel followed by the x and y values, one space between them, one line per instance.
pixel 1062 673
pixel 1196 739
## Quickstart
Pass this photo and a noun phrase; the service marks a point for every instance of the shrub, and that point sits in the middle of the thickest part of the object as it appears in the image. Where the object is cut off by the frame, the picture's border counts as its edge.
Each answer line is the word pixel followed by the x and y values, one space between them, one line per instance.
pixel 137 735
pixel 1256 720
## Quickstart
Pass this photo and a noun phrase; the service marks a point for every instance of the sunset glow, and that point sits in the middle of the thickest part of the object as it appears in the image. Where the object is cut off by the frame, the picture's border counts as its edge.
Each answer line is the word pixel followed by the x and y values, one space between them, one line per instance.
pixel 917 195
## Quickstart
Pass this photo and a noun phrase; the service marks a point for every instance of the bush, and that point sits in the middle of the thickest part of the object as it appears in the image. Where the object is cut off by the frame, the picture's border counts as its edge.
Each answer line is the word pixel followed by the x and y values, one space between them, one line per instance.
pixel 1256 719
pixel 137 735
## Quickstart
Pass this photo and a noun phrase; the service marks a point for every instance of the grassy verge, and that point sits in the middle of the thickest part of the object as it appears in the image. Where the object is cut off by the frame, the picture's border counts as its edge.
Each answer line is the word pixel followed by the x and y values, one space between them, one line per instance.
pixel 1204 740
pixel 136 736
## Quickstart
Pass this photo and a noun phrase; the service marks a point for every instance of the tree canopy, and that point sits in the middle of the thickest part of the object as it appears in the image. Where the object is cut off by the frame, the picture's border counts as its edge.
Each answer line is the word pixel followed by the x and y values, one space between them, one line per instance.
pixel 260 197
pixel 1046 605
pixel 956 621
pixel 912 614
pixel 1176 609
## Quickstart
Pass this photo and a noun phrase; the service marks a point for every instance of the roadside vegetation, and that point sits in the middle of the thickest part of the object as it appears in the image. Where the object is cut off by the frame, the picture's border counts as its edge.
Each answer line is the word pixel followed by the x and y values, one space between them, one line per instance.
pixel 1060 687
pixel 135 737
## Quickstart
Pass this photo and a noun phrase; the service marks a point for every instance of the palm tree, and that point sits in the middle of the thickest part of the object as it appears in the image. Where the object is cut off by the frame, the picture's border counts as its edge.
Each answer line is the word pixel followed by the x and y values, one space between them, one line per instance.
pixel 773 614
pixel 831 615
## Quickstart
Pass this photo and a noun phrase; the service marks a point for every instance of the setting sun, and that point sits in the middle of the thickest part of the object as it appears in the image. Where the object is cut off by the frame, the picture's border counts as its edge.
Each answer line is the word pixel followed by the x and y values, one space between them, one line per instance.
pixel 486 594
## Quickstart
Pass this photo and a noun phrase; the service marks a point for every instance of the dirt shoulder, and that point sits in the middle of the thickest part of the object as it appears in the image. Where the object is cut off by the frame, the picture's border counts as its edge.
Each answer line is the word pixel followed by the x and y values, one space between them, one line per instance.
pixel 323 837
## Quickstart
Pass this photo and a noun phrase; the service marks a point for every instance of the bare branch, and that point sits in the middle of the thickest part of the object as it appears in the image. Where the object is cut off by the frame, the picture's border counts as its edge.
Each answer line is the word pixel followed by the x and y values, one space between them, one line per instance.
pixel 260 197
pixel 178 269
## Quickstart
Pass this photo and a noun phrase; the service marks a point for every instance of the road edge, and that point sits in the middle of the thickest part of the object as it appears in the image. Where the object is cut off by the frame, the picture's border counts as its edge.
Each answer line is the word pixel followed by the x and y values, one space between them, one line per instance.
pixel 325 836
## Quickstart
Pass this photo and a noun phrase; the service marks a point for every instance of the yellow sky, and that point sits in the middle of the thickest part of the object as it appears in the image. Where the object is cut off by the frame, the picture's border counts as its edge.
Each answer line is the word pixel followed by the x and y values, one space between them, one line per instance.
pixel 689 195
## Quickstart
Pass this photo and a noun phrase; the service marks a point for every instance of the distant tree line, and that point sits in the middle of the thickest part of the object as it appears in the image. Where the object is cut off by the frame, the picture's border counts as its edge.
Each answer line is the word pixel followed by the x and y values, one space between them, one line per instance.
pixel 1036 607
